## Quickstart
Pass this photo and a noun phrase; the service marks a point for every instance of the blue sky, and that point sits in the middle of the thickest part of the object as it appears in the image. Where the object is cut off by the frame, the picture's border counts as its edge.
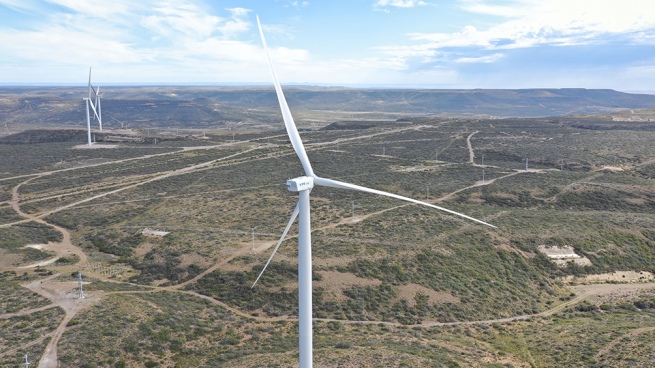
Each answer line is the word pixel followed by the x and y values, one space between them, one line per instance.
pixel 385 43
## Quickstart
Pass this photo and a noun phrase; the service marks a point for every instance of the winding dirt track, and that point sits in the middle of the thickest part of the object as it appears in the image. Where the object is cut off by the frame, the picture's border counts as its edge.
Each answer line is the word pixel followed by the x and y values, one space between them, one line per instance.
pixel 470 147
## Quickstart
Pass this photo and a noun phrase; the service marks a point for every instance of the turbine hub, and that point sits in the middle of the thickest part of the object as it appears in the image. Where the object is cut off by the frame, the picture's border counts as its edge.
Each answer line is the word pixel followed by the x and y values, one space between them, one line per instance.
pixel 300 183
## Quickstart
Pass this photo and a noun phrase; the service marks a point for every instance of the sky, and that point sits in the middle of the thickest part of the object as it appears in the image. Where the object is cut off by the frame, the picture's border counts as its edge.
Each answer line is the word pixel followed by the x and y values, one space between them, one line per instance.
pixel 353 43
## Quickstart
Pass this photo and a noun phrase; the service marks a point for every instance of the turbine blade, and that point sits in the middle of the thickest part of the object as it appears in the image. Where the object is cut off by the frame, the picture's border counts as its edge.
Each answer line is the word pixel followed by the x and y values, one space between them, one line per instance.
pixel 339 184
pixel 290 125
pixel 89 86
pixel 93 107
pixel 284 234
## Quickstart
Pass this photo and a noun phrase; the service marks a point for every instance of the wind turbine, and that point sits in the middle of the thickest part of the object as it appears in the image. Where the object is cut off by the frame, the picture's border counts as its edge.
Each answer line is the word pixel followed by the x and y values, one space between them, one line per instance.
pixel 96 112
pixel 303 185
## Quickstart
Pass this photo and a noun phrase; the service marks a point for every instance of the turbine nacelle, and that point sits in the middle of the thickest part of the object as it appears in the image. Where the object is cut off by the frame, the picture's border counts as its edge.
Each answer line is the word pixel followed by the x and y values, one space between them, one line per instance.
pixel 300 183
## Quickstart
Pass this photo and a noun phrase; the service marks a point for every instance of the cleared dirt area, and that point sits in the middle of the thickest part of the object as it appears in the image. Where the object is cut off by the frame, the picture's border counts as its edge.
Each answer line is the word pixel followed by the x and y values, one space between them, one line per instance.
pixel 618 276
pixel 601 292
pixel 63 295
pixel 333 282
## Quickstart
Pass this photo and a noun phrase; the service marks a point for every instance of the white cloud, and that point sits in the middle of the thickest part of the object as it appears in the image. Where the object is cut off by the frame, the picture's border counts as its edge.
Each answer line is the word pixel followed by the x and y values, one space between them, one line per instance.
pixel 63 46
pixel 408 51
pixel 181 19
pixel 400 3
pixel 481 59
pixel 478 6
pixel 237 24
pixel 99 33
pixel 20 5
pixel 299 3
pixel 97 8
pixel 146 41
pixel 531 23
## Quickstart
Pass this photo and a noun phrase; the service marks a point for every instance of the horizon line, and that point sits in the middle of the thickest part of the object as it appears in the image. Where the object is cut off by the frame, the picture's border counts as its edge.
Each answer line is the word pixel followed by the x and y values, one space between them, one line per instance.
pixel 316 85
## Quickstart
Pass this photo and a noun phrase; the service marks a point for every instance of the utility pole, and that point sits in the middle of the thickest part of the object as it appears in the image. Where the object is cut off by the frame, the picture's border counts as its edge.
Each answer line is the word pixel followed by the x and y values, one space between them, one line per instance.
pixel 482 160
pixel 561 165
pixel 526 164
pixel 384 151
pixel 482 175
pixel 252 230
pixel 353 211
pixel 79 283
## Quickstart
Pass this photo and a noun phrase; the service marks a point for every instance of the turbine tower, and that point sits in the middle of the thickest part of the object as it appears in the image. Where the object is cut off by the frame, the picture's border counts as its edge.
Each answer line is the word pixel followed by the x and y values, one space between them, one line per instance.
pixel 303 185
pixel 88 123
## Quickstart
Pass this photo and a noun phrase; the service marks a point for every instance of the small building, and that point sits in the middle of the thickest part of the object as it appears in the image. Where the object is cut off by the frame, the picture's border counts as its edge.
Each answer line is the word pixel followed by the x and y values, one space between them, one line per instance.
pixel 562 255
pixel 157 233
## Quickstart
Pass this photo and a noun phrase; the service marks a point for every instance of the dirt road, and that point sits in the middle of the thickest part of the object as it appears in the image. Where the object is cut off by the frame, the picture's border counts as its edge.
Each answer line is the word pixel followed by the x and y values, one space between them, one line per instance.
pixel 470 147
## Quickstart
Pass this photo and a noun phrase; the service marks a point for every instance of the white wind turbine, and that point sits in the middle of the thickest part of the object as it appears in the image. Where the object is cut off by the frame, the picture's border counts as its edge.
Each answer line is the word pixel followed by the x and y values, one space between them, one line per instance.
pixel 97 113
pixel 303 185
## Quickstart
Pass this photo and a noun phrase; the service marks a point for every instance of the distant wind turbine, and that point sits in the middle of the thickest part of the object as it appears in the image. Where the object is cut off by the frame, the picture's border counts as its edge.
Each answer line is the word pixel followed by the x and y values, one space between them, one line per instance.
pixel 92 100
pixel 303 185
